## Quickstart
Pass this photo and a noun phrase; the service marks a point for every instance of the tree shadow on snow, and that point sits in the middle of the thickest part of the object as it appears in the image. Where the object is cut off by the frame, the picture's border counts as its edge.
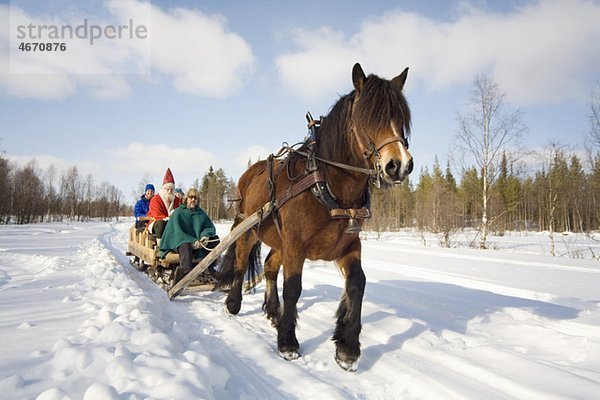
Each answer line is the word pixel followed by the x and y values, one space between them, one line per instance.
pixel 447 306
pixel 440 306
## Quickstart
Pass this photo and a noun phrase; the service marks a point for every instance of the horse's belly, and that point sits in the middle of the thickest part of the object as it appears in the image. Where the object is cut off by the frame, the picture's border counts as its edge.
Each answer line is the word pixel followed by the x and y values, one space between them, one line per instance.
pixel 329 250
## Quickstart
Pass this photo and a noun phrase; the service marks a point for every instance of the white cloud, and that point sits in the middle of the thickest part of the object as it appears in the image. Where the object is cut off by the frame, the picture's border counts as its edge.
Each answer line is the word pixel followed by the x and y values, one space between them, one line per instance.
pixel 51 75
pixel 543 52
pixel 538 157
pixel 44 161
pixel 252 154
pixel 187 164
pixel 196 50
pixel 321 66
pixel 193 50
pixel 124 165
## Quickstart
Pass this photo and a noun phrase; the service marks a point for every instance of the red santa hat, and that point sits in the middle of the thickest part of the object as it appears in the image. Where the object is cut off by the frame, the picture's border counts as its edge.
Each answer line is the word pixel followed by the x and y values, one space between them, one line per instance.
pixel 168 179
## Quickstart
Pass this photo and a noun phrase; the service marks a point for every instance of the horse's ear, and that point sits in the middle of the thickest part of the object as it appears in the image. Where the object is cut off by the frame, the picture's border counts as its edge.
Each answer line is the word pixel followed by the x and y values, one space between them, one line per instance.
pixel 401 79
pixel 358 77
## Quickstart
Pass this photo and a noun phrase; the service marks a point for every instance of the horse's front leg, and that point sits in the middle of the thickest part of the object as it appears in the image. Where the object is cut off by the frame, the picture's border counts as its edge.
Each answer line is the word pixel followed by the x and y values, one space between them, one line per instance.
pixel 348 323
pixel 287 344
pixel 271 305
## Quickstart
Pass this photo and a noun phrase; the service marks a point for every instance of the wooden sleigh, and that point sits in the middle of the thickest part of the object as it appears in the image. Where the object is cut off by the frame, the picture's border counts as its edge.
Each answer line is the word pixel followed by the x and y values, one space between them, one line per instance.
pixel 142 246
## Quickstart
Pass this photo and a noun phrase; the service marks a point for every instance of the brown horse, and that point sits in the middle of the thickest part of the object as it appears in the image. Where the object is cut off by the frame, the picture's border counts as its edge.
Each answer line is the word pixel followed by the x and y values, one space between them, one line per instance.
pixel 364 137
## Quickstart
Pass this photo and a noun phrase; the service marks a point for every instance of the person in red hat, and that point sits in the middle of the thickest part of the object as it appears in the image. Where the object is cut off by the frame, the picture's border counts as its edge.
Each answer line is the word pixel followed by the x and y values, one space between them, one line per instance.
pixel 162 205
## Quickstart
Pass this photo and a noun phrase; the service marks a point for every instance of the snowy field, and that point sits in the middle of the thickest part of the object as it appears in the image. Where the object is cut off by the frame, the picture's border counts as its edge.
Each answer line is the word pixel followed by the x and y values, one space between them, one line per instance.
pixel 77 322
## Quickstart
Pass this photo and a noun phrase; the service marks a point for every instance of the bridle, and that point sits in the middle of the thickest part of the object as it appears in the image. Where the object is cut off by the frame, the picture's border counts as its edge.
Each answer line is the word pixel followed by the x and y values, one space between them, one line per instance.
pixel 371 150
pixel 373 168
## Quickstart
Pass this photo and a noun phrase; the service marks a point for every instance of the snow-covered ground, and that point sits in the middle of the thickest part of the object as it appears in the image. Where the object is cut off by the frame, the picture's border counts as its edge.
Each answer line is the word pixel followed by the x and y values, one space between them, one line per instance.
pixel 77 322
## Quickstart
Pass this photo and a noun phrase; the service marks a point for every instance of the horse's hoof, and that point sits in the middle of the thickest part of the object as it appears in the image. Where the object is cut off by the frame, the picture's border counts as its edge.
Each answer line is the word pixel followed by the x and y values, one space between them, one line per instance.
pixel 350 365
pixel 233 308
pixel 289 355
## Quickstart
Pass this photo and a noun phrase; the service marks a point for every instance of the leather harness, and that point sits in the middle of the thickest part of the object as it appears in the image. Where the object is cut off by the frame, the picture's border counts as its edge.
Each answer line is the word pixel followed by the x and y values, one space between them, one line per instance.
pixel 315 181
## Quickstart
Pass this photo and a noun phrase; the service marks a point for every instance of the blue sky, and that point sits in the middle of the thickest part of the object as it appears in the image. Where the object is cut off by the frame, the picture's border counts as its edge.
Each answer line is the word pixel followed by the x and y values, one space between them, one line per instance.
pixel 232 80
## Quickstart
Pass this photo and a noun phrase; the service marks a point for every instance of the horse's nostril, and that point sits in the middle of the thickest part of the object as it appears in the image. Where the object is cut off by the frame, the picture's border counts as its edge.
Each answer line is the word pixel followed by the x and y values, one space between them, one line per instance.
pixel 409 167
pixel 392 167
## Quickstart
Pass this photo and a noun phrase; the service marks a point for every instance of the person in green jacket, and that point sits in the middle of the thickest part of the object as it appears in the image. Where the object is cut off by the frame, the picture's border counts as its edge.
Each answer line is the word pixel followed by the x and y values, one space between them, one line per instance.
pixel 190 233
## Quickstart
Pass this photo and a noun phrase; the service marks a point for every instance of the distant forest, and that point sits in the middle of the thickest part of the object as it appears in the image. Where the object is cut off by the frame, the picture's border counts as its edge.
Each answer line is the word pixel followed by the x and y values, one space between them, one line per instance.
pixel 29 195
pixel 561 196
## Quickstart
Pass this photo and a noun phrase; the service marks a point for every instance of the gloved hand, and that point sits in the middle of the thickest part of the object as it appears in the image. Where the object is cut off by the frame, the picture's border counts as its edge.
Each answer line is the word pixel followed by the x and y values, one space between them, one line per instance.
pixel 202 242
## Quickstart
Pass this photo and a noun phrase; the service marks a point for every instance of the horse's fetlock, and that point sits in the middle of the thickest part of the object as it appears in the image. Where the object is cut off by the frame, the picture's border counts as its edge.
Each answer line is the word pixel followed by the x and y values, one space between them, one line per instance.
pixel 286 340
pixel 273 312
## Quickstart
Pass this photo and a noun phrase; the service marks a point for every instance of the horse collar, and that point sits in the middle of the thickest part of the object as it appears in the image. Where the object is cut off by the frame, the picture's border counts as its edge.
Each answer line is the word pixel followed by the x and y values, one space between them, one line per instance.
pixel 318 186
pixel 315 181
pixel 321 190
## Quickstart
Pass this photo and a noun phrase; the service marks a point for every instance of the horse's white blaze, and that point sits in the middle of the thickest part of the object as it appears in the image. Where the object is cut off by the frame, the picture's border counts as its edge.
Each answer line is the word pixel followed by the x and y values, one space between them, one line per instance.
pixel 389 153
pixel 405 156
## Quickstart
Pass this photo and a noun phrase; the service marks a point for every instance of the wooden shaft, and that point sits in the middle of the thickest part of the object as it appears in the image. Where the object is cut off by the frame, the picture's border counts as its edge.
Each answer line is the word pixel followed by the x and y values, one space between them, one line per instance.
pixel 235 233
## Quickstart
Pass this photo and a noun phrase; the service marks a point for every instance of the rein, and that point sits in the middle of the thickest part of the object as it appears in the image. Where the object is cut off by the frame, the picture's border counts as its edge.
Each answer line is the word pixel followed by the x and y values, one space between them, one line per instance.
pixel 367 171
pixel 372 172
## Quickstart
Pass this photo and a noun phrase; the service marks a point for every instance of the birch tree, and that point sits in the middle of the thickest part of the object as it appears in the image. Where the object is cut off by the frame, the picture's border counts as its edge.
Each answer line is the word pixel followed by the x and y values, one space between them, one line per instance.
pixel 594 116
pixel 552 160
pixel 486 130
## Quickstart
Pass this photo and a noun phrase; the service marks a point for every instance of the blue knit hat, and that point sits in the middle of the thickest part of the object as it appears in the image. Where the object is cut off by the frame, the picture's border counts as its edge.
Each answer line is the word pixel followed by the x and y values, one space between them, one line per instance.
pixel 150 187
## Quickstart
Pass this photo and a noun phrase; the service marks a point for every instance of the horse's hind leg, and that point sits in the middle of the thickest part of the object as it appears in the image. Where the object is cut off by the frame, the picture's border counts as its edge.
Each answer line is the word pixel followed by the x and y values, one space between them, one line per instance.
pixel 271 305
pixel 245 248
pixel 287 344
pixel 348 323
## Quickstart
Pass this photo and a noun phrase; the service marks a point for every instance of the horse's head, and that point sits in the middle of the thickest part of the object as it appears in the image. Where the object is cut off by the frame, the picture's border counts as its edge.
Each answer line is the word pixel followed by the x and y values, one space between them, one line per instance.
pixel 381 124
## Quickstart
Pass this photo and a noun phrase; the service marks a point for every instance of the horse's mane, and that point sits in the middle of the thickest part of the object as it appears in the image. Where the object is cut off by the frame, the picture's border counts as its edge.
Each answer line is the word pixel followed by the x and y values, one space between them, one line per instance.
pixel 380 102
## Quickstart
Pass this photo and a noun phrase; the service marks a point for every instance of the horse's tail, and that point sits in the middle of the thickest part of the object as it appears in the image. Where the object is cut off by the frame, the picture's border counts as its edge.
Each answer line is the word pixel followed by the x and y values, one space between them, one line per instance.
pixel 255 267
pixel 226 273
pixel 226 268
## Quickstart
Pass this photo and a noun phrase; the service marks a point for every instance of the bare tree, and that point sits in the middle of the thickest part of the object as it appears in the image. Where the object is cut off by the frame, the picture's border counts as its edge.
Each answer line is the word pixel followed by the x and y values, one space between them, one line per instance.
pixel 70 188
pixel 486 130
pixel 88 193
pixel 5 189
pixel 139 189
pixel 52 198
pixel 594 116
pixel 27 194
pixel 552 179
